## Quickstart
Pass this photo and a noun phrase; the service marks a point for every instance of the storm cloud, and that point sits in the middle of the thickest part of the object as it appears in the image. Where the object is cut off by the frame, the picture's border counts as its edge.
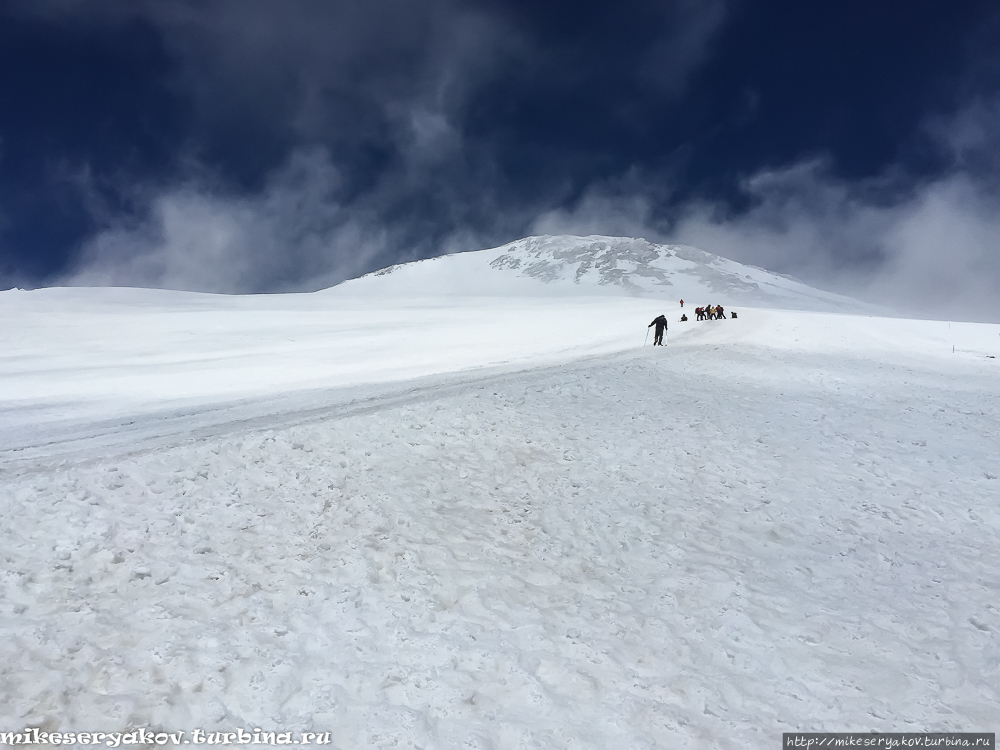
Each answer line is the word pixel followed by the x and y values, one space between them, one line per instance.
pixel 330 138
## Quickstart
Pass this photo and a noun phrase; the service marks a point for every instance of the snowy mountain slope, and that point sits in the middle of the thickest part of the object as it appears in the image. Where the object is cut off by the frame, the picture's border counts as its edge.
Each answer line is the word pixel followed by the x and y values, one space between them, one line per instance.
pixel 78 364
pixel 775 523
pixel 493 521
pixel 75 363
pixel 595 265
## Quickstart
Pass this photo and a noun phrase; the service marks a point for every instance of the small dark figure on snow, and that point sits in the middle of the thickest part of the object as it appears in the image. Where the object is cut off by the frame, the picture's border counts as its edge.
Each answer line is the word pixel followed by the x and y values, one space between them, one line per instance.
pixel 733 315
pixel 682 303
pixel 684 318
pixel 661 325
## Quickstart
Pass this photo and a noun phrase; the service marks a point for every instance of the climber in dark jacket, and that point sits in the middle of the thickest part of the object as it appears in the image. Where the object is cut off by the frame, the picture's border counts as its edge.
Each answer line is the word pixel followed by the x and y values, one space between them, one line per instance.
pixel 661 326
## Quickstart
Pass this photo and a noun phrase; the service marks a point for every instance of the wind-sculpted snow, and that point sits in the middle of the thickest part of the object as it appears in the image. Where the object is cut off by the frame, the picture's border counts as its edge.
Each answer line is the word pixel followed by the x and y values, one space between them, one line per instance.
pixel 565 265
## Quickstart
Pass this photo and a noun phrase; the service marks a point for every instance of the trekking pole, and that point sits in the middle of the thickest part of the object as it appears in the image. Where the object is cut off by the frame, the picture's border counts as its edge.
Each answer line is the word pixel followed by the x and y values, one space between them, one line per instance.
pixel 646 340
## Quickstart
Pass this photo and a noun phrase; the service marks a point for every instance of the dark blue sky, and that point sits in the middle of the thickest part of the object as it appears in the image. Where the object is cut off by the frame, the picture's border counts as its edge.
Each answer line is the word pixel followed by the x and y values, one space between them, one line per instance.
pixel 247 145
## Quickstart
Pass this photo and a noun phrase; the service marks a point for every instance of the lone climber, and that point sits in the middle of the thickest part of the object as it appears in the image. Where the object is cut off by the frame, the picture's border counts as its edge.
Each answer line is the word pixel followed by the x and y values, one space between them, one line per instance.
pixel 661 326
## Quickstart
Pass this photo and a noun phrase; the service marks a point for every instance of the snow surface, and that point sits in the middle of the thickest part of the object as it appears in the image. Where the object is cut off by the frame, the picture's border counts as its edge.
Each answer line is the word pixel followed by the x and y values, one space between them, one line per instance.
pixel 496 522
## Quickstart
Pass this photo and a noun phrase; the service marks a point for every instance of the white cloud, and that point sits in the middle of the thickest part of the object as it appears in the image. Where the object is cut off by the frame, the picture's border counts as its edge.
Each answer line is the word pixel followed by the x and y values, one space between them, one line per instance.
pixel 934 251
pixel 925 248
pixel 293 235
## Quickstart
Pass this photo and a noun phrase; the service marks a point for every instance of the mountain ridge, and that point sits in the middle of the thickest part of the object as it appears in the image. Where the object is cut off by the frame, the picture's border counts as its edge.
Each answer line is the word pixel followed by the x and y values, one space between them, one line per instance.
pixel 568 265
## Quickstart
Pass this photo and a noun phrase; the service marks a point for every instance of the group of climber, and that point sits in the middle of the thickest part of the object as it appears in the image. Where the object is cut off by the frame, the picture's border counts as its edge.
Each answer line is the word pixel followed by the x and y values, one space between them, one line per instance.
pixel 712 312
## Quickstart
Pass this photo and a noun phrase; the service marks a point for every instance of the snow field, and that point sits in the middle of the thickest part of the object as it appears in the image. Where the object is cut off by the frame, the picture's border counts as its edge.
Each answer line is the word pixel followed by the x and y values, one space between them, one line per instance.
pixel 697 546
pixel 131 366
pixel 80 361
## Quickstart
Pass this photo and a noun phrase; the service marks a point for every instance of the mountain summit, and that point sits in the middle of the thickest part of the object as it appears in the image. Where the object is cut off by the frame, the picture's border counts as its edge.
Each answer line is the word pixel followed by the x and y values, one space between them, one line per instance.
pixel 595 265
